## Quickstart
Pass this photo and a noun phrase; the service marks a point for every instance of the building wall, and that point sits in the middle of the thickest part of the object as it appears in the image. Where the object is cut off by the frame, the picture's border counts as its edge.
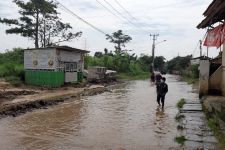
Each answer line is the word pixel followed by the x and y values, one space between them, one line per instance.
pixel 195 61
pixel 43 59
pixel 69 56
pixel 215 80
pixel 71 77
pixel 204 77
pixel 46 67
pixel 44 78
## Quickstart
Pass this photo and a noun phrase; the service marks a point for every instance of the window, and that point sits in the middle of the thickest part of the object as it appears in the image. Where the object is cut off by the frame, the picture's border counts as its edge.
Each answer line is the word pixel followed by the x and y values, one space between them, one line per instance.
pixel 71 67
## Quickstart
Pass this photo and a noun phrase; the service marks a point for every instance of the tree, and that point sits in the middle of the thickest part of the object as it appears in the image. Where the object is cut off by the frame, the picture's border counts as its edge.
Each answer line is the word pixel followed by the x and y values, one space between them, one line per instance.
pixel 159 63
pixel 98 54
pixel 119 39
pixel 145 62
pixel 179 63
pixel 39 21
pixel 105 51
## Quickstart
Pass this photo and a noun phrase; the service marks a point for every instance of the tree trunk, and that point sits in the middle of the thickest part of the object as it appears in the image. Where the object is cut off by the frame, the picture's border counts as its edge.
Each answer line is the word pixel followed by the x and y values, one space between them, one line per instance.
pixel 119 48
pixel 36 30
pixel 44 33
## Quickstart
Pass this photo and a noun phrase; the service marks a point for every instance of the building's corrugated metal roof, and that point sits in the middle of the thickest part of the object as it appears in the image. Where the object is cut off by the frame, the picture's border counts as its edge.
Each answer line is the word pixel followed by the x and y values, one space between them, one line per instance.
pixel 214 13
pixel 67 48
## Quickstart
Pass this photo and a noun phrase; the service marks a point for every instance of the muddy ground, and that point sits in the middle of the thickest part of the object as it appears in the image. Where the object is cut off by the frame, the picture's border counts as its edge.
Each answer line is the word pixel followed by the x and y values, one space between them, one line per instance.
pixel 16 101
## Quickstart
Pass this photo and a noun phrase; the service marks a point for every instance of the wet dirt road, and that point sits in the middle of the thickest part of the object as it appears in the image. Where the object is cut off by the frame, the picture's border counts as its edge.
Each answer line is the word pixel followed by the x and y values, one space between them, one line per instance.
pixel 126 118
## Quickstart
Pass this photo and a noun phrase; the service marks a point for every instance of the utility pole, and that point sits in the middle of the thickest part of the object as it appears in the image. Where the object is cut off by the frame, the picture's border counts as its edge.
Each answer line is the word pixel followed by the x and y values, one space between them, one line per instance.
pixel 200 46
pixel 153 50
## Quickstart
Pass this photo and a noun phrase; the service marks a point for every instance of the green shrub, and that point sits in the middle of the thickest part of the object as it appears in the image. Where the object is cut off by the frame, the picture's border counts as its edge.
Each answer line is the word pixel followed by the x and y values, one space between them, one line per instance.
pixel 135 69
pixel 194 71
pixel 180 139
pixel 10 69
pixel 181 103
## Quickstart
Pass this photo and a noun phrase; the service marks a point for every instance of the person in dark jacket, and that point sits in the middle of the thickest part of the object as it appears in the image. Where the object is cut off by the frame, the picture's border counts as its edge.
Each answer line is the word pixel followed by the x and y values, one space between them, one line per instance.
pixel 158 78
pixel 162 89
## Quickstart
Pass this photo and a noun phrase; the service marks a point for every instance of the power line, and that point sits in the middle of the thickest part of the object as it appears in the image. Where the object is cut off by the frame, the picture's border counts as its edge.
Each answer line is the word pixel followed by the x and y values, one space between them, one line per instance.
pixel 121 14
pixel 125 10
pixel 80 18
pixel 108 10
pixel 129 14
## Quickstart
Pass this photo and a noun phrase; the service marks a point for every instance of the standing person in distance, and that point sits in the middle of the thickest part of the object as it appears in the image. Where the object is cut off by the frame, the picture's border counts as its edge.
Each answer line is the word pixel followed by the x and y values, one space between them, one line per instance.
pixel 162 89
pixel 158 78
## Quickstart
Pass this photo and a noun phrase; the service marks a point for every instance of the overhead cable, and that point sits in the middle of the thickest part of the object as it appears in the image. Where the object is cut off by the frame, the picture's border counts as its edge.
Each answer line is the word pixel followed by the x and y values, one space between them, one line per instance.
pixel 80 18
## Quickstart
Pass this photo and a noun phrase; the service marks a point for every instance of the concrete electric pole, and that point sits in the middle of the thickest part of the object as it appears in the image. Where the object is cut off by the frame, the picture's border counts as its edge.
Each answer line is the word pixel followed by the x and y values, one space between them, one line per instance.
pixel 153 50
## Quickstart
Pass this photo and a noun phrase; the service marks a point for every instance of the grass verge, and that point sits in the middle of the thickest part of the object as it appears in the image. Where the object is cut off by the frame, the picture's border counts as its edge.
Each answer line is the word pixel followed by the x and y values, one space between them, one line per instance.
pixel 189 80
pixel 127 76
pixel 213 123
pixel 181 103
pixel 180 139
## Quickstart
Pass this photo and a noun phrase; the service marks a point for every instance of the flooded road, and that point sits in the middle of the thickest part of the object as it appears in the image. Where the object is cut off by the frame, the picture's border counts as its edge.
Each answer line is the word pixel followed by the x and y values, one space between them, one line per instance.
pixel 126 118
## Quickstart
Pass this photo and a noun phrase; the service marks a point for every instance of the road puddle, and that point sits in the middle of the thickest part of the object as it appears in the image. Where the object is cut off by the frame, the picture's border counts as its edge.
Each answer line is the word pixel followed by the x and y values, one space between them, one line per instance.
pixel 125 118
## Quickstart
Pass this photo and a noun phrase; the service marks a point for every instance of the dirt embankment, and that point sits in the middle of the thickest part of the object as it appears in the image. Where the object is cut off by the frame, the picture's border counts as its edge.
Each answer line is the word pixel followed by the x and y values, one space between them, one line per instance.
pixel 14 103
pixel 7 95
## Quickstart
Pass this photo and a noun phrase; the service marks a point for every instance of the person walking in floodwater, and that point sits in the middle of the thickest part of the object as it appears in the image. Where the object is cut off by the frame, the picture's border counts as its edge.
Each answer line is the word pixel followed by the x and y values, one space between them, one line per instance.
pixel 158 78
pixel 162 89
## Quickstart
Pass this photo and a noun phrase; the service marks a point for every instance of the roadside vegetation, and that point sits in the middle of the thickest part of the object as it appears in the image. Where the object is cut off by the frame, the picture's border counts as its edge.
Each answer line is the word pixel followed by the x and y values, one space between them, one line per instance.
pixel 129 67
pixel 214 125
pixel 127 64
pixel 181 103
pixel 11 66
pixel 181 66
pixel 180 140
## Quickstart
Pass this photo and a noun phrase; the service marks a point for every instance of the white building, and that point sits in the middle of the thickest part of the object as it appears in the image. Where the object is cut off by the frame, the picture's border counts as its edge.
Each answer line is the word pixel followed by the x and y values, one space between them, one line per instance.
pixel 53 66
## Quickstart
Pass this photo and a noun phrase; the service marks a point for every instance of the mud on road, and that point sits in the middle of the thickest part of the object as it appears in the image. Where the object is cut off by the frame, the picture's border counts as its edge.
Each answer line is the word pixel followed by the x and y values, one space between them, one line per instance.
pixel 17 102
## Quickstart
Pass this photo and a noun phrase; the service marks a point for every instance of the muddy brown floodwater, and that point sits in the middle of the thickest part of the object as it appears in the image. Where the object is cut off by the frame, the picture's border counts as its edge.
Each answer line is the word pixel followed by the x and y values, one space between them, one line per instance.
pixel 126 118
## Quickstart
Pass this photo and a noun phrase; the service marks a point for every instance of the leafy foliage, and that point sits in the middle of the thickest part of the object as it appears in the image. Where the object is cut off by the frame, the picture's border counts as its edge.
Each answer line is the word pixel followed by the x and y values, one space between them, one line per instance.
pixel 126 63
pixel 180 139
pixel 181 103
pixel 11 63
pixel 119 39
pixel 179 63
pixel 14 56
pixel 39 21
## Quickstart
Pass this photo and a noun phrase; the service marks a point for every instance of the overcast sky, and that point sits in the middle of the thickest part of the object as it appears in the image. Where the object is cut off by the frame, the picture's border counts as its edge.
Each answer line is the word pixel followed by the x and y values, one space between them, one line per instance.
pixel 174 20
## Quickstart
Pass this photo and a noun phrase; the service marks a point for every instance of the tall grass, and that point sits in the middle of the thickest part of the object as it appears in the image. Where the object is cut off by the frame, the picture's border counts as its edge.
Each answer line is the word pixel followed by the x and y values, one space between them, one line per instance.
pixel 11 69
pixel 13 73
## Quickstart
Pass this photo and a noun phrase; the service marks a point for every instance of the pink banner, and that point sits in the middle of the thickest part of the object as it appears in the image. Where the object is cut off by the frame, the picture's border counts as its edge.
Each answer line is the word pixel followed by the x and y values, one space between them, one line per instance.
pixel 215 37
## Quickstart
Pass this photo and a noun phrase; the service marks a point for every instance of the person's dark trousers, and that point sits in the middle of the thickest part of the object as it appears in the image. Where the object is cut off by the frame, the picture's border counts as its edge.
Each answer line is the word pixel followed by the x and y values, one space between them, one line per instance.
pixel 161 98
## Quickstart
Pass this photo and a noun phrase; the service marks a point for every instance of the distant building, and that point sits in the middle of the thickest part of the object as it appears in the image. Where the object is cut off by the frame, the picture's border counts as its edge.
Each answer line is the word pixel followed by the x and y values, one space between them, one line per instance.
pixel 53 66
pixel 196 61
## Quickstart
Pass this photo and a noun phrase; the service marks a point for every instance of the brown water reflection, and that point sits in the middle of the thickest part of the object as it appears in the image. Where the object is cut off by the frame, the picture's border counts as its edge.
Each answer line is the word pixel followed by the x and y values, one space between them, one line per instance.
pixel 126 118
